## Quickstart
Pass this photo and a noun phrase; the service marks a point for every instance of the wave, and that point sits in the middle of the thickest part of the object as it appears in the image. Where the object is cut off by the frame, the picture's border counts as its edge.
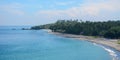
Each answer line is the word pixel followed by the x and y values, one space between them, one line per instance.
pixel 111 52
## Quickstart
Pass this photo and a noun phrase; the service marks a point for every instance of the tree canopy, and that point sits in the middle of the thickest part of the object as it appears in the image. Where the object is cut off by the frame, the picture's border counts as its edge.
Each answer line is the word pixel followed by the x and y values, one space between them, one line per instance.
pixel 108 29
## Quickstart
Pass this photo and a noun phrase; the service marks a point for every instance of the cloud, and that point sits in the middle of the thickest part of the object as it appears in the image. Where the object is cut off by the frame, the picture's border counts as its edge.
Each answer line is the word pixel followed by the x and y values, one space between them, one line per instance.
pixel 13 8
pixel 42 12
pixel 87 9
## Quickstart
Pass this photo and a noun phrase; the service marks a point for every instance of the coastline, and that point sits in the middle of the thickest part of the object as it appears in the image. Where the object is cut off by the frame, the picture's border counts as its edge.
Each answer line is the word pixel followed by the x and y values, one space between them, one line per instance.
pixel 103 41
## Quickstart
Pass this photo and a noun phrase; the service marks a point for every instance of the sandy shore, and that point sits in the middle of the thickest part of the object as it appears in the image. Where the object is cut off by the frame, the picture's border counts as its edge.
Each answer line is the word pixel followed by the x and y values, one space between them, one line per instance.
pixel 108 42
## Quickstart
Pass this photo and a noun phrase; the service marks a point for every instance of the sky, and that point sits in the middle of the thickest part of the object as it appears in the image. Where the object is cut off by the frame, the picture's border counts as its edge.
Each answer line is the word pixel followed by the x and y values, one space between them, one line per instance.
pixel 37 12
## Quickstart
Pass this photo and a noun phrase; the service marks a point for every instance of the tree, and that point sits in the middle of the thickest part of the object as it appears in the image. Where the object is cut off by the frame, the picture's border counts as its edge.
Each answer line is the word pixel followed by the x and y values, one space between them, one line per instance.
pixel 114 32
pixel 108 29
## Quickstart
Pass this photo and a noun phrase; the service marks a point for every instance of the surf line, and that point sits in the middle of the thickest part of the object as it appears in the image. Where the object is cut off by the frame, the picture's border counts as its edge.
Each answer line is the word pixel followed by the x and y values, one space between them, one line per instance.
pixel 110 51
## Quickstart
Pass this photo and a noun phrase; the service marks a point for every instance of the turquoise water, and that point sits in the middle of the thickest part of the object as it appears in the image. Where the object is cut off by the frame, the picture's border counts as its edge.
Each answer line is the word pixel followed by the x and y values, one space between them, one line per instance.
pixel 40 45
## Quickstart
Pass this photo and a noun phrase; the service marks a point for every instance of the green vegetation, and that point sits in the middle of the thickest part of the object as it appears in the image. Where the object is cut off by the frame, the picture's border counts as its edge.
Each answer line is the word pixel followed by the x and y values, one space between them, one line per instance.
pixel 118 42
pixel 109 29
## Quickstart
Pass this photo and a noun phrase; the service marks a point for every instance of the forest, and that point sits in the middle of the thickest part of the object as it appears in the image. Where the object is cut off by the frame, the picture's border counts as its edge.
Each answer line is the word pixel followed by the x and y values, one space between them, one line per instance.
pixel 106 29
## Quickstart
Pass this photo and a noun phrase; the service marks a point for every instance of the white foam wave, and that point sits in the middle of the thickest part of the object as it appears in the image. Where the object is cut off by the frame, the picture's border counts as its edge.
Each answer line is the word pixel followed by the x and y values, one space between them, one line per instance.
pixel 111 52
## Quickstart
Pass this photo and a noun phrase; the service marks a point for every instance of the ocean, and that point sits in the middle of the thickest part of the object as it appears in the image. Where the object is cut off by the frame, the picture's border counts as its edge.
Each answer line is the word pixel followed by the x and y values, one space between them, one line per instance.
pixel 17 44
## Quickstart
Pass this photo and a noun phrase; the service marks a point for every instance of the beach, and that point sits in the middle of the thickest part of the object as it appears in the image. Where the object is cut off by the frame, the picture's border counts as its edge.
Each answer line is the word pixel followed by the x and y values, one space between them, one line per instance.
pixel 104 41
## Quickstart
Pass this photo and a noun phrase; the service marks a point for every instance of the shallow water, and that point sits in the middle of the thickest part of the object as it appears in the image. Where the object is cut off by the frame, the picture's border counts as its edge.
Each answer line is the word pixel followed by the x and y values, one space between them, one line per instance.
pixel 39 45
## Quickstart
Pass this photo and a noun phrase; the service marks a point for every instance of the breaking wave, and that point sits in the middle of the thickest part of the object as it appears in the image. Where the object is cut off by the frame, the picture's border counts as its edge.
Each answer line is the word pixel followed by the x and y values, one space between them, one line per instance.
pixel 111 52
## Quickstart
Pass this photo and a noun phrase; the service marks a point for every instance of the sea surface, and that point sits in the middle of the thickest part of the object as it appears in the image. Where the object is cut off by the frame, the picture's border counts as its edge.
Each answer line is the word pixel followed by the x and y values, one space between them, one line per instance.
pixel 17 44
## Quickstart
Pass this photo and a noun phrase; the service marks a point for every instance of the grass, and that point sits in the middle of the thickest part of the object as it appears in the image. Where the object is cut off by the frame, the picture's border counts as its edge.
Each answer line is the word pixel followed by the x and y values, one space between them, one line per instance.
pixel 118 42
pixel 96 36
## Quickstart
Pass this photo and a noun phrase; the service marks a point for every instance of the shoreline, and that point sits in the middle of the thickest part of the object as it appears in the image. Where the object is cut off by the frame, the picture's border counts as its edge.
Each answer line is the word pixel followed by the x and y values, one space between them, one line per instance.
pixel 103 41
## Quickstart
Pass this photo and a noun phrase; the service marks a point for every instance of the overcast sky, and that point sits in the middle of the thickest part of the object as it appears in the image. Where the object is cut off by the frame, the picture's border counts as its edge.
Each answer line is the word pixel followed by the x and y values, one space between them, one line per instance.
pixel 36 12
